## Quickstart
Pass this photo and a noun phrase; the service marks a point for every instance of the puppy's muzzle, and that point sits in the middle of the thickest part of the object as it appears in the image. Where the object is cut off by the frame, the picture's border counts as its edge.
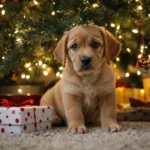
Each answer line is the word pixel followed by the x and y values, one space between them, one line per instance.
pixel 86 62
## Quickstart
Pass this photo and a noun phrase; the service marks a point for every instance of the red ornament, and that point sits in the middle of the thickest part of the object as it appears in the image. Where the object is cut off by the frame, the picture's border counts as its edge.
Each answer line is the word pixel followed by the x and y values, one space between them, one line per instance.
pixel 143 64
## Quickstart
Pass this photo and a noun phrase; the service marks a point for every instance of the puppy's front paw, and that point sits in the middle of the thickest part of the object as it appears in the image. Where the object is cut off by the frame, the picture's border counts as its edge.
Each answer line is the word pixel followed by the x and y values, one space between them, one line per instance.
pixel 113 127
pixel 77 129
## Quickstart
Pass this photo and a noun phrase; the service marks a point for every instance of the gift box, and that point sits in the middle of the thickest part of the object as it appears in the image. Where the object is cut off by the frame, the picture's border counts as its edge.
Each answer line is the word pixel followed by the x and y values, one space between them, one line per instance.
pixel 25 119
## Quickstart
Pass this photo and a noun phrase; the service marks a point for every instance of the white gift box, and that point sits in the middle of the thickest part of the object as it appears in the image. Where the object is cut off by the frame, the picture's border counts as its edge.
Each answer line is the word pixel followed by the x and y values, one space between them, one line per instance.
pixel 25 119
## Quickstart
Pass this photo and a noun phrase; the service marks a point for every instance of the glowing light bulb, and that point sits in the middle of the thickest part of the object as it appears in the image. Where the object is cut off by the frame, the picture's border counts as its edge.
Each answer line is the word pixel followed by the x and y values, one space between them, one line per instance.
pixel 117 59
pixel 35 2
pixel 112 25
pixel 45 73
pixel 18 39
pixel 16 31
pixel 118 27
pixel 3 57
pixel 19 90
pixel 23 76
pixel 114 65
pixel 128 50
pixel 120 37
pixel 44 66
pixel 27 76
pixel 148 15
pixel 135 31
pixel 58 74
pixel 27 65
pixel 139 7
pixel 61 68
pixel 1 6
pixel 142 91
pixel 61 75
pixel 95 5
pixel 127 74
pixel 40 63
pixel 53 13
pixel 3 12
pixel 140 56
pixel 138 72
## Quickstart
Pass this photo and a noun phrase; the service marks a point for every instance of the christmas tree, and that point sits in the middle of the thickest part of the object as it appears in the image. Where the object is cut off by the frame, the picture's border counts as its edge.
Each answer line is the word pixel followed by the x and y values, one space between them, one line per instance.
pixel 30 30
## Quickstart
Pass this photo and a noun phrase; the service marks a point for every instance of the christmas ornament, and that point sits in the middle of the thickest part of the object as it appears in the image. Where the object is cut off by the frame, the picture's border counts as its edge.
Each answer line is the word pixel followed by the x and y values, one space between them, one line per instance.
pixel 143 64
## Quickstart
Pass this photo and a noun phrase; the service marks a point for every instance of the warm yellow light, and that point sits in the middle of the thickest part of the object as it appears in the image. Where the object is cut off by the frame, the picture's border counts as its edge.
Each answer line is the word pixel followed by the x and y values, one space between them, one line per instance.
pixel 45 73
pixel 142 46
pixel 3 12
pixel 118 27
pixel 117 59
pixel 120 37
pixel 53 13
pixel 35 2
pixel 27 65
pixel 139 7
pixel 19 90
pixel 27 76
pixel 16 31
pixel 136 0
pixel 1 6
pixel 18 39
pixel 61 68
pixel 140 56
pixel 127 74
pixel 146 47
pixel 23 76
pixel 118 77
pixel 148 56
pixel 61 75
pixel 114 65
pixel 3 57
pixel 29 68
pixel 138 73
pixel 142 91
pixel 44 66
pixel 40 63
pixel 112 25
pixel 58 74
pixel 141 50
pixel 148 15
pixel 95 5
pixel 128 50
pixel 135 31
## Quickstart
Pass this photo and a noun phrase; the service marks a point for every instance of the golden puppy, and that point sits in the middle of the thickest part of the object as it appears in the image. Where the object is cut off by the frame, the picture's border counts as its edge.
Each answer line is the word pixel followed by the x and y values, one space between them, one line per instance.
pixel 87 90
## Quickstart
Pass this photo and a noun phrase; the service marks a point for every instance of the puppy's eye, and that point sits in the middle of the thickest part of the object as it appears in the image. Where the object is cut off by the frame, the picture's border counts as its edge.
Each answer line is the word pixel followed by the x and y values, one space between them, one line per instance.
pixel 95 45
pixel 74 47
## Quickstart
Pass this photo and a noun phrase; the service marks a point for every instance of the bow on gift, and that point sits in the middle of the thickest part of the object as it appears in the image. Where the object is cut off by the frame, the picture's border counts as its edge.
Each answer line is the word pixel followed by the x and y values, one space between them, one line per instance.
pixel 7 103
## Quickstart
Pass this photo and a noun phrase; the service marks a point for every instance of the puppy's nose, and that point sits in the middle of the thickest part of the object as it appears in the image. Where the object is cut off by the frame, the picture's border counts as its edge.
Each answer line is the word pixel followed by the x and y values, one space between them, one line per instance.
pixel 86 60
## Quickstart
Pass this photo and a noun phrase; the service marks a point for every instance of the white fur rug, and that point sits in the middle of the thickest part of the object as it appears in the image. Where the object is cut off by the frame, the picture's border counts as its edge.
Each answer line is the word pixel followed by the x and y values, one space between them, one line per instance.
pixel 135 136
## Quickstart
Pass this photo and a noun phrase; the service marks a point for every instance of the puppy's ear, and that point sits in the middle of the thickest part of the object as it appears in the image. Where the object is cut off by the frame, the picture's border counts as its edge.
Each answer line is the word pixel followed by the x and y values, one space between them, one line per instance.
pixel 111 45
pixel 61 50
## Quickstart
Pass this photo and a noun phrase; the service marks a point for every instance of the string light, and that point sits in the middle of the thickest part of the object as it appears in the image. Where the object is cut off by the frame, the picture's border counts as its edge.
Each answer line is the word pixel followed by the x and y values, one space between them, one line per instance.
pixel 35 2
pixel 112 25
pixel 120 36
pixel 117 59
pixel 30 69
pixel 138 73
pixel 118 27
pixel 3 12
pixel 1 6
pixel 45 73
pixel 139 7
pixel 95 5
pixel 127 74
pixel 19 90
pixel 40 63
pixel 44 66
pixel 135 31
pixel 27 76
pixel 27 65
pixel 18 40
pixel 53 13
pixel 140 56
pixel 61 68
pixel 16 31
pixel 57 74
pixel 3 57
pixel 148 15
pixel 142 91
pixel 114 65
pixel 128 50
pixel 23 76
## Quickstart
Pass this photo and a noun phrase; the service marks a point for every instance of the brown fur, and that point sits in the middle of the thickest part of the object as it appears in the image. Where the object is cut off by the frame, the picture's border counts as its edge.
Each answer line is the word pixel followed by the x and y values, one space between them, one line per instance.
pixel 83 96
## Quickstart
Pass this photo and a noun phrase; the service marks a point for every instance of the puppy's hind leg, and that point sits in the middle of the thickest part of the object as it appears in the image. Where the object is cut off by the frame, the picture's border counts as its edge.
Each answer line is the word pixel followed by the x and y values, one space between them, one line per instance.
pixel 48 99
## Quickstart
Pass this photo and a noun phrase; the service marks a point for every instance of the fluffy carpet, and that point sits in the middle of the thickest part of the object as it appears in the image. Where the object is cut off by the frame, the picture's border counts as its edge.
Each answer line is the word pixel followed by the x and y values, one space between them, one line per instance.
pixel 135 136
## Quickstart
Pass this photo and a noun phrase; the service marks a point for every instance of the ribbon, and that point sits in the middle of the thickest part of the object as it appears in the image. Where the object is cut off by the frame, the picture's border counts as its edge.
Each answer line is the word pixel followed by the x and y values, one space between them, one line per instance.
pixel 7 103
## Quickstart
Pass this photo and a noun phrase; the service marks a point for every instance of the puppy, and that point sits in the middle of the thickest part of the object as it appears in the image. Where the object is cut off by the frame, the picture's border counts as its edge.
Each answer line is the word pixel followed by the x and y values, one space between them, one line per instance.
pixel 86 92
